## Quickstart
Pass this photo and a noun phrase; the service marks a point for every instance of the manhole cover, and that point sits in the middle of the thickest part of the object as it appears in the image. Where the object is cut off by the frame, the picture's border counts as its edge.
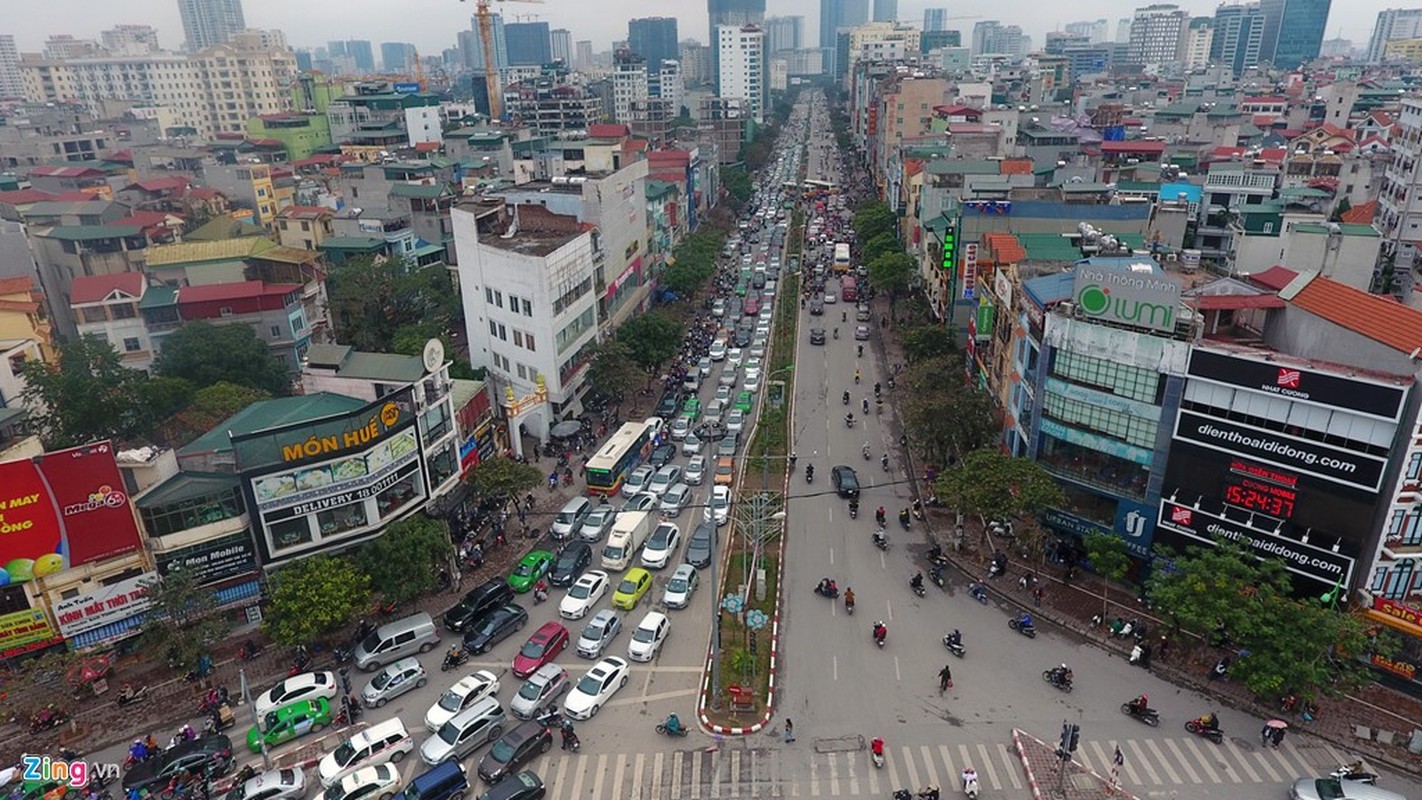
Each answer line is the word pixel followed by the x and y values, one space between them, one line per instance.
pixel 841 744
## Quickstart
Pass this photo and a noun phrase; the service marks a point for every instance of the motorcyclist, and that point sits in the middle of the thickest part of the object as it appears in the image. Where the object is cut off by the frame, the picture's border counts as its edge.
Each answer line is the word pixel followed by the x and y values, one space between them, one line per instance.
pixel 903 516
pixel 836 333
pixel 844 316
pixel 824 585
pixel 1062 673
pixel 126 693
pixel 884 461
pixel 673 723
pixel 865 450
pixel 138 751
pixel 856 375
pixel 929 793
pixel 879 538
pixel 854 508
pixel 880 631
pixel 877 388
pixel 846 397
pixel 970 777
pixel 849 598
pixel 849 419
pixel 865 405
pixel 452 656
pixel 916 582
pixel 1210 721
pixel 955 638
pixel 861 350
pixel 809 472
pixel 1140 704
pixel 1025 621
pixel 879 515
pixel 877 746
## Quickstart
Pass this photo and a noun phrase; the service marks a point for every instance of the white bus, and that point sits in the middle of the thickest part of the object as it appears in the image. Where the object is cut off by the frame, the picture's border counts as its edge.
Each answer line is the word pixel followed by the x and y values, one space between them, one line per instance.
pixel 841 257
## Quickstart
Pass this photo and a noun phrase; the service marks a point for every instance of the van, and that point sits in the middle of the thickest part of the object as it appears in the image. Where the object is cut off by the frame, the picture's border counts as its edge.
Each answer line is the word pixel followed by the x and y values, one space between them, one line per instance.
pixel 381 742
pixel 444 781
pixel 395 640
pixel 629 532
pixel 572 516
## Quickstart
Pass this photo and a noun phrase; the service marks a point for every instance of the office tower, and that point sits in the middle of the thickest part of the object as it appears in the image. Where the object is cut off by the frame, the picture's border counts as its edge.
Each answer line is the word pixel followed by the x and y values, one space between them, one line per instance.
pixel 741 67
pixel 210 22
pixel 1238 36
pixel 840 15
pixel 303 60
pixel 397 57
pixel 1199 42
pixel 985 36
pixel 1156 33
pixel 1057 42
pixel 784 33
pixel 670 85
pixel 560 42
pixel 501 50
pixel 529 43
pixel 886 11
pixel 654 39
pixel 629 83
pixel 362 54
pixel 583 54
pixel 131 40
pixel 935 19
pixel 731 12
pixel 336 49
pixel 1293 31
pixel 1095 31
pixel 933 40
pixel 1394 23
pixel 697 63
pixel 10 83
pixel 1123 30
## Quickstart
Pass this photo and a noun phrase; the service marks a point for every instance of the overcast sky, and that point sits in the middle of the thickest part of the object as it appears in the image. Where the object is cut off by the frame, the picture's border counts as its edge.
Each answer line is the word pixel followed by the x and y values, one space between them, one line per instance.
pixel 431 24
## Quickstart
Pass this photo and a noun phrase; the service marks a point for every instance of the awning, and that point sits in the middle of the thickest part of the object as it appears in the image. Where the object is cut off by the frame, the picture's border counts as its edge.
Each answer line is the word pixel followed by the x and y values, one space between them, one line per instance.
pixel 242 591
pixel 113 630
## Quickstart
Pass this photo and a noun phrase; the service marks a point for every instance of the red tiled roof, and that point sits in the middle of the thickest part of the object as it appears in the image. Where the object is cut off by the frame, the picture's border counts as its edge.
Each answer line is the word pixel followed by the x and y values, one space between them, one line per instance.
pixel 1382 319
pixel 1136 146
pixel 1263 100
pixel 234 291
pixel 427 147
pixel 1360 214
pixel 1015 166
pixel 1223 153
pixel 173 184
pixel 120 156
pixel 66 172
pixel 1375 139
pixel 1275 277
pixel 143 219
pixel 21 197
pixel 94 288
pixel 1334 130
pixel 957 111
pixel 1273 153
pixel 607 130
pixel 304 212
pixel 16 285
pixel 1214 302
pixel 1382 118
pixel 1004 247
pixel 23 306
pixel 912 167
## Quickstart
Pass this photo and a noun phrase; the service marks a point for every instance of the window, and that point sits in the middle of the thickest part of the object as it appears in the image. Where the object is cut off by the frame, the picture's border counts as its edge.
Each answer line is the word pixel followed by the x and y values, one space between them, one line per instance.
pixel 518 338
pixel 131 345
pixel 488 295
pixel 276 331
pixel 1133 382
pixel 499 299
pixel 503 332
pixel 500 362
pixel 1414 466
pixel 528 342
pixel 527 308
pixel 305 226
pixel 493 329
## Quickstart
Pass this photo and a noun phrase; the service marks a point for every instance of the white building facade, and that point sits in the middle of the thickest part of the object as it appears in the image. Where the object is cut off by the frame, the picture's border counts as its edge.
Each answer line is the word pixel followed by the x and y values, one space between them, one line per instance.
pixel 741 67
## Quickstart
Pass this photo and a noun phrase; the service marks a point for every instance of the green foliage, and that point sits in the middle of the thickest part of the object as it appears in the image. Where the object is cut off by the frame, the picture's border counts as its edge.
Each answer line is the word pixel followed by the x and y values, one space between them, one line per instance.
pixel 1108 557
pixel 88 395
pixel 163 397
pixel 946 417
pixel 503 477
pixel 695 262
pixel 612 369
pixel 371 302
pixel 208 407
pixel 737 184
pixel 1343 207
pixel 204 354
pixel 881 245
pixel 652 338
pixel 314 596
pixel 1206 589
pixel 892 272
pixel 872 220
pixel 926 342
pixel 404 562
pixel 183 622
pixel 994 486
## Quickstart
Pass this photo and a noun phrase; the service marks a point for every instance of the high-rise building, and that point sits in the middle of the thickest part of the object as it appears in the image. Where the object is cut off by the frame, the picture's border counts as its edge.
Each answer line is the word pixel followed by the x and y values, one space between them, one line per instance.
pixel 933 40
pixel 670 85
pixel 1123 30
pixel 991 36
pixel 501 48
pixel 560 42
pixel 1199 41
pixel 304 60
pixel 741 66
pixel 730 12
pixel 1394 23
pixel 836 17
pixel 1096 30
pixel 10 83
pixel 629 83
pixel 935 19
pixel 362 54
pixel 131 39
pixel 210 22
pixel 397 57
pixel 654 39
pixel 1156 34
pixel 784 33
pixel 336 49
pixel 583 54
pixel 529 43
pixel 886 11
pixel 1238 36
pixel 1293 31
pixel 697 63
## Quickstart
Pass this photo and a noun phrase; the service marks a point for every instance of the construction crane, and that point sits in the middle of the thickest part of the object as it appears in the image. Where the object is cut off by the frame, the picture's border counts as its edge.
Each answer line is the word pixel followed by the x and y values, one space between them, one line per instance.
pixel 492 84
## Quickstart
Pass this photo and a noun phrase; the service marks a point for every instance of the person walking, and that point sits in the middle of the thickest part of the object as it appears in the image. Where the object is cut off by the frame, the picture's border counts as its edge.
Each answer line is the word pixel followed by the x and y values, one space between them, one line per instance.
pixel 945 679
pixel 789 731
pixel 1037 595
pixel 1276 737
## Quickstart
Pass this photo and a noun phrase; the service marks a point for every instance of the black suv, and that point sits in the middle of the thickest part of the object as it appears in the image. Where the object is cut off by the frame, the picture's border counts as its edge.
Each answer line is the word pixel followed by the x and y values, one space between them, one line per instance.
pixel 817 336
pixel 668 405
pixel 845 481
pixel 488 595
pixel 209 756
pixel 494 627
pixel 573 558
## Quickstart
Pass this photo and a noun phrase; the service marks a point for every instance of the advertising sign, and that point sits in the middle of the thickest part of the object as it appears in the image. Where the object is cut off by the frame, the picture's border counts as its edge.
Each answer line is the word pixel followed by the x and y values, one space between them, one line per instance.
pixel 107 604
pixel 325 439
pixel 407 87
pixel 62 509
pixel 1398 614
pixel 1291 381
pixel 1107 400
pixel 1315 563
pixel 213 561
pixel 24 628
pixel 1131 293
pixel 1101 444
pixel 1134 525
pixel 1314 458
pixel 970 270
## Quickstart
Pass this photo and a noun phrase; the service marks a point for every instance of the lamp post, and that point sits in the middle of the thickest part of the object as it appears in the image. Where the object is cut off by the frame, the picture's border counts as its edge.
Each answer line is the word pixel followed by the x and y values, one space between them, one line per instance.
pixel 246 698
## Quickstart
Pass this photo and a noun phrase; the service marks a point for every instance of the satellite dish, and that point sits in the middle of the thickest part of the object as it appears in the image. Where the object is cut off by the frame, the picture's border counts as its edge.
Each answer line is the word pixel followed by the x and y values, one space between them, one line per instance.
pixel 433 355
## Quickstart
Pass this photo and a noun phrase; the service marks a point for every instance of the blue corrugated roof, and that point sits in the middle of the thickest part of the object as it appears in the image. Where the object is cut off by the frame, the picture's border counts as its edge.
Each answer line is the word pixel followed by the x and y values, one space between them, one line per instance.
pixel 1172 192
pixel 1049 289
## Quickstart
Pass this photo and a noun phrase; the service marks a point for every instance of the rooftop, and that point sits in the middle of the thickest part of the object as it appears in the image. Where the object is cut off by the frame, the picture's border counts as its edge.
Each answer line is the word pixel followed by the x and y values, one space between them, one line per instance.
pixel 352 243
pixel 304 212
pixel 85 289
pixel 347 362
pixel 88 233
pixel 273 413
pixel 195 252
pixel 217 292
pixel 52 208
pixel 1379 318
pixel 187 486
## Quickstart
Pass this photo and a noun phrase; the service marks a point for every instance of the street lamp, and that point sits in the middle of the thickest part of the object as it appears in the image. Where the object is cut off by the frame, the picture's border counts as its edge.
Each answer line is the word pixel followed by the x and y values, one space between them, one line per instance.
pixel 246 698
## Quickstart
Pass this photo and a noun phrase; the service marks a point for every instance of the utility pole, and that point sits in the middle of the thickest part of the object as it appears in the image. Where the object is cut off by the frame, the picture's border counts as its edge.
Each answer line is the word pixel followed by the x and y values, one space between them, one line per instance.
pixel 246 698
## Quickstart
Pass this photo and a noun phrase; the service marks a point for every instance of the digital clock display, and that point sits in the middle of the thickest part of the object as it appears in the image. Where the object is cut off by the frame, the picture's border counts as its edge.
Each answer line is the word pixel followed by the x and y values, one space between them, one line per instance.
pixel 1266 490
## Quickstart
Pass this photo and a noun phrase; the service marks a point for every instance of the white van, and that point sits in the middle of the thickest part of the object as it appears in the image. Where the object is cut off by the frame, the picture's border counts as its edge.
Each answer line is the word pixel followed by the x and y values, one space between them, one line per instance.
pixel 381 742
pixel 629 532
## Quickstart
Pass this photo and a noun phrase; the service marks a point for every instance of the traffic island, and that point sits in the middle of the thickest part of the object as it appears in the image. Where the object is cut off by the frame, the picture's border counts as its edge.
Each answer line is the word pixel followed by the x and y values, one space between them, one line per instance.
pixel 1051 777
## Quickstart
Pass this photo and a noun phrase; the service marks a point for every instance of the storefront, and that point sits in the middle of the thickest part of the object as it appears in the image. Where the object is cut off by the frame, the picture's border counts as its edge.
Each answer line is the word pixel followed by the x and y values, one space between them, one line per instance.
pixel 226 566
pixel 108 612
pixel 25 632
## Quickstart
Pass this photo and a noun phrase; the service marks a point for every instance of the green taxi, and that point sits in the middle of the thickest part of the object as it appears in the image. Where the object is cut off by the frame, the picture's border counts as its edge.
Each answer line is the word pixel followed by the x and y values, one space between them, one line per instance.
pixel 529 570
pixel 290 722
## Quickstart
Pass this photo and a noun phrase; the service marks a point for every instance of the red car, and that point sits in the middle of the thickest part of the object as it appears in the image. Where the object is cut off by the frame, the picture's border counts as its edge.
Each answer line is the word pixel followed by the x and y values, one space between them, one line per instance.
pixel 541 648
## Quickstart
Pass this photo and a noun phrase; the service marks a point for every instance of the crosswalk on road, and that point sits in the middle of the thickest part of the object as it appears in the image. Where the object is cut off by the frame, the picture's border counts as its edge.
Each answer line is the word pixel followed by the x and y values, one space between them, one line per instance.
pixel 735 772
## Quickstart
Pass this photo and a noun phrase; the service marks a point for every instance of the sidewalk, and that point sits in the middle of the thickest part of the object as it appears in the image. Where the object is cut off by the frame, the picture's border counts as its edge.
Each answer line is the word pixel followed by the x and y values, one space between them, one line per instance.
pixel 1376 721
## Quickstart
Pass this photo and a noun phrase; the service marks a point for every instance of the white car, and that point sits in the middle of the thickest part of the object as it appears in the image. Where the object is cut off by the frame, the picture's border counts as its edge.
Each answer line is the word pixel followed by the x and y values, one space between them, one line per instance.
pixel 717 351
pixel 463 694
pixel 647 638
pixel 752 383
pixel 695 473
pixel 277 784
pixel 583 595
pixel 704 366
pixel 830 299
pixel 675 500
pixel 380 782
pixel 661 546
pixel 751 367
pixel 680 587
pixel 723 395
pixel 680 427
pixel 691 445
pixel 733 356
pixel 596 687
pixel 637 481
pixel 664 479
pixel 306 686
pixel 718 508
pixel 727 376
pixel 735 421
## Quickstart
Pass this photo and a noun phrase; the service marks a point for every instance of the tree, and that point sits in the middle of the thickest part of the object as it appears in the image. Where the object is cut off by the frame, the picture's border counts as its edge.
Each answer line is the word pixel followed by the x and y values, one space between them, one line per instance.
pixel 1343 207
pixel 1216 590
pixel 892 272
pixel 881 244
pixel 651 338
pixel 737 184
pixel 1109 558
pixel 873 220
pixel 503 478
pixel 404 562
pixel 612 370
pixel 371 300
pixel 205 354
pixel 1305 648
pixel 314 596
pixel 183 621
pixel 208 407
pixel 87 395
pixel 993 486
pixel 924 342
pixel 945 416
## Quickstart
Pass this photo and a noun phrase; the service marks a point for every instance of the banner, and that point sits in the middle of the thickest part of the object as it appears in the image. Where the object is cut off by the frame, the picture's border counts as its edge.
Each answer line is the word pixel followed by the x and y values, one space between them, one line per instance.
pixel 211 562
pixel 105 605
pixel 1314 458
pixel 23 628
pixel 1294 382
pixel 1324 566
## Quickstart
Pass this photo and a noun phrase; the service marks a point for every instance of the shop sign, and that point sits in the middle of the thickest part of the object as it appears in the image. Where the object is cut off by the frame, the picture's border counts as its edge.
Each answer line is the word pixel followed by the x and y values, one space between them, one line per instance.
pixel 1100 444
pixel 317 484
pixel 362 434
pixel 1096 397
pixel 108 604
pixel 323 439
pixel 1320 460
pixel 1002 287
pixel 213 561
pixel 1291 381
pixel 337 500
pixel 1399 614
pixel 1081 526
pixel 970 270
pixel 1129 293
pixel 1394 666
pixel 1314 563
pixel 632 269
pixel 24 628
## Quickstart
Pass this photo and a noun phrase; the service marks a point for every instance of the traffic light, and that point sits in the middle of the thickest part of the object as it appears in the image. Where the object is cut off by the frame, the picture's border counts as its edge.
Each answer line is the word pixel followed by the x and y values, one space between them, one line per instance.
pixel 1073 739
pixel 753 638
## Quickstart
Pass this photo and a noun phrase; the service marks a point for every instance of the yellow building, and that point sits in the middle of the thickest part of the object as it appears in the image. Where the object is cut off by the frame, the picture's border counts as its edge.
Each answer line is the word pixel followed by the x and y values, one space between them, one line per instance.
pixel 1409 50
pixel 22 315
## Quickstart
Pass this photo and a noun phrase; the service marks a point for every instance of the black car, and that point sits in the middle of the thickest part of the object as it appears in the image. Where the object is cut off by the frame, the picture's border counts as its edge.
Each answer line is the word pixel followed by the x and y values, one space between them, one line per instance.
pixel 817 306
pixel 488 595
pixel 662 456
pixel 494 627
pixel 572 559
pixel 743 336
pixel 517 747
pixel 846 482
pixel 817 336
pixel 701 544
pixel 524 786
pixel 668 405
pixel 209 756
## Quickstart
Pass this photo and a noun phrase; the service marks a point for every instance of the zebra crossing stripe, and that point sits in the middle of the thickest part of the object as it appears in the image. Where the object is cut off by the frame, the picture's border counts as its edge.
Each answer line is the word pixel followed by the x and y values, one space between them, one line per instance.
pixel 892 764
pixel 695 778
pixel 1182 760
pixel 1240 758
pixel 562 771
pixel 1298 764
pixel 1164 762
pixel 988 769
pixel 1140 758
pixel 656 775
pixel 834 774
pixel 873 776
pixel 1008 767
pixel 1202 760
pixel 967 758
pixel 579 770
pixel 638 762
pixel 678 759
pixel 736 773
pixel 814 777
pixel 913 784
pixel 928 767
pixel 1263 760
pixel 852 767
pixel 599 773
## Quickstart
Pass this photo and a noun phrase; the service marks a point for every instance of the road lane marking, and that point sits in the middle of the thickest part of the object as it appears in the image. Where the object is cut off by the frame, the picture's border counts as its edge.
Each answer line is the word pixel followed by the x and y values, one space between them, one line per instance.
pixel 913 773
pixel 898 676
pixel 1298 758
pixel 578 772
pixel 1241 761
pixel 888 604
pixel 678 758
pixel 1203 760
pixel 736 772
pixel 834 666
pixel 814 777
pixel 834 774
pixel 852 767
pixel 1183 760
pixel 928 766
pixel 1164 762
pixel 988 767
pixel 894 782
pixel 619 767
pixel 638 764
pixel 1143 761
pixel 656 775
pixel 598 777
pixel 831 557
pixel 1010 764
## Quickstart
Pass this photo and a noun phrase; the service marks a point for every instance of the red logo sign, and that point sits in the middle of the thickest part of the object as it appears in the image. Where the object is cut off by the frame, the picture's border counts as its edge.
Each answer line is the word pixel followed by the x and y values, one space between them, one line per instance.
pixel 1180 515
pixel 1288 378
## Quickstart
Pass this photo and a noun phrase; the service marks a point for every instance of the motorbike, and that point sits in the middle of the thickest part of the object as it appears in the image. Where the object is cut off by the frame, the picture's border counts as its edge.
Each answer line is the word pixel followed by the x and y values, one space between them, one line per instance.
pixel 1057 678
pixel 1149 716
pixel 970 788
pixel 938 577
pixel 845 398
pixel 137 696
pixel 880 634
pixel 1030 631
pixel 454 660
pixel 669 728
pixel 917 587
pixel 854 510
pixel 1197 727
pixel 956 648
pixel 997 567
pixel 249 650
pixel 45 719
pixel 978 592
pixel 903 794
pixel 343 653
pixel 876 752
pixel 865 452
pixel 809 474
pixel 904 518
pixel 1354 772
pixel 879 516
pixel 848 606
pixel 830 591
pixel 849 421
pixel 880 540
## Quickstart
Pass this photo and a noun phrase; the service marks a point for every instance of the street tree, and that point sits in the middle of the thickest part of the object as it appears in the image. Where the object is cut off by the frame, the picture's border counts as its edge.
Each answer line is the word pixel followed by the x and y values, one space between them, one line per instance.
pixel 404 562
pixel 496 478
pixel 994 486
pixel 208 407
pixel 923 342
pixel 882 244
pixel 1109 558
pixel 737 184
pixel 87 395
pixel 946 416
pixel 1216 591
pixel 613 371
pixel 872 220
pixel 1300 646
pixel 182 622
pixel 315 596
pixel 892 273
pixel 371 300
pixel 205 354
pixel 652 339
pixel 686 276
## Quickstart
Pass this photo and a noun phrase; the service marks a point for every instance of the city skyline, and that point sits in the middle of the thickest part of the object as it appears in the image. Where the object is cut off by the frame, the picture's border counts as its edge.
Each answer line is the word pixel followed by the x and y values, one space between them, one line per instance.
pixel 431 25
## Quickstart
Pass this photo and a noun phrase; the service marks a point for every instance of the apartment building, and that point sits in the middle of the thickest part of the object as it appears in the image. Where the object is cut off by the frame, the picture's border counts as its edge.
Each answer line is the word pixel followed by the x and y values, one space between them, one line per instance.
pixel 741 67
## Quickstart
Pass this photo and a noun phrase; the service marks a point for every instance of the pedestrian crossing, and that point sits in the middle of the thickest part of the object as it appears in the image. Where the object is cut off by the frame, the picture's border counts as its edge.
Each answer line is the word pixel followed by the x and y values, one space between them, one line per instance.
pixel 734 771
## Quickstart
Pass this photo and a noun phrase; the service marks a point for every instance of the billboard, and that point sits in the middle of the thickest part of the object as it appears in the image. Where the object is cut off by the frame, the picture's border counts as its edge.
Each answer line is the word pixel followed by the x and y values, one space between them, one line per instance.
pixel 1335 464
pixel 1323 566
pixel 1296 383
pixel 211 562
pixel 1134 293
pixel 23 631
pixel 111 603
pixel 63 509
